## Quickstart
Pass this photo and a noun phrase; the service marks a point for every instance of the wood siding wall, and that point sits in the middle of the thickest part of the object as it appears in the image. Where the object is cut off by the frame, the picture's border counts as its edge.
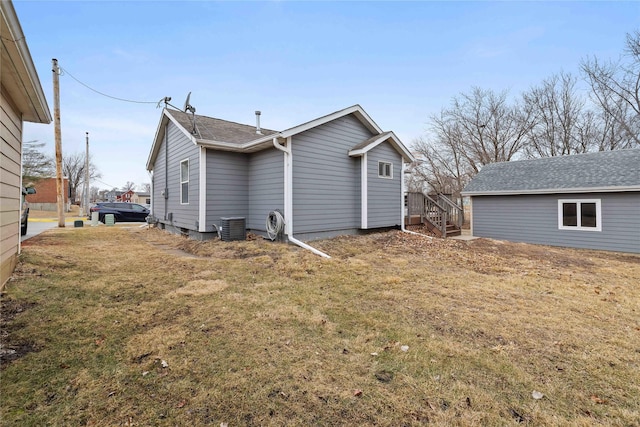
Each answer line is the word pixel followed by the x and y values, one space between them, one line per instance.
pixel 384 195
pixel 534 219
pixel 180 148
pixel 326 181
pixel 10 193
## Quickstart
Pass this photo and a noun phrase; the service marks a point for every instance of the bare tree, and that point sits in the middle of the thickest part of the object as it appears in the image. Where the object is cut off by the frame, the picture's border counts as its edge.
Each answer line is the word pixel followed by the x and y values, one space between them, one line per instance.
pixel 562 125
pixel 94 193
pixel 35 163
pixel 615 89
pixel 73 167
pixel 145 187
pixel 129 186
pixel 478 128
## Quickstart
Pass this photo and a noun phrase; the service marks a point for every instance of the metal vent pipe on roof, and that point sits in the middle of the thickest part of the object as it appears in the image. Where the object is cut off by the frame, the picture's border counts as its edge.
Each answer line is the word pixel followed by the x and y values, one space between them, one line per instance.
pixel 258 131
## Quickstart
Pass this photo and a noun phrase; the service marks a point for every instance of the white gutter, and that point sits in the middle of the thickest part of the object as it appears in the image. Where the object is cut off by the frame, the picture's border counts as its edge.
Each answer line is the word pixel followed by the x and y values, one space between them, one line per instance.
pixel 402 191
pixel 288 197
pixel 553 191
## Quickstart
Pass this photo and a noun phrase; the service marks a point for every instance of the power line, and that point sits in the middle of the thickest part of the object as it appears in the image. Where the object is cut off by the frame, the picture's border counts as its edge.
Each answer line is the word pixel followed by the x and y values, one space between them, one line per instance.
pixel 66 72
pixel 104 183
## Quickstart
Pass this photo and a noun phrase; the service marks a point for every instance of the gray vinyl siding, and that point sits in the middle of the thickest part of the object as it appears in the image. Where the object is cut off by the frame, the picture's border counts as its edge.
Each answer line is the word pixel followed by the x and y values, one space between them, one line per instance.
pixel 266 186
pixel 227 186
pixel 534 219
pixel 384 195
pixel 326 181
pixel 180 148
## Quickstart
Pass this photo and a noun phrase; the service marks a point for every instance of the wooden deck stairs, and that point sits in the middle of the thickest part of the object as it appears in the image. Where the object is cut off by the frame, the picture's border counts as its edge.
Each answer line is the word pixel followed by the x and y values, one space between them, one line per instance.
pixel 439 215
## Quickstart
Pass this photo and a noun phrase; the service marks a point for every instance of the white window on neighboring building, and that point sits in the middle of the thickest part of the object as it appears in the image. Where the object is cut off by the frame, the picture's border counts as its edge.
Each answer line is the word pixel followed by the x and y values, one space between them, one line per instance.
pixel 385 170
pixel 184 182
pixel 580 214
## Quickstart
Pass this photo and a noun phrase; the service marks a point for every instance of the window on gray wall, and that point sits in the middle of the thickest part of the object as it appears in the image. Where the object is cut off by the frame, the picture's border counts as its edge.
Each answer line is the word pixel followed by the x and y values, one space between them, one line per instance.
pixel 385 170
pixel 184 182
pixel 580 214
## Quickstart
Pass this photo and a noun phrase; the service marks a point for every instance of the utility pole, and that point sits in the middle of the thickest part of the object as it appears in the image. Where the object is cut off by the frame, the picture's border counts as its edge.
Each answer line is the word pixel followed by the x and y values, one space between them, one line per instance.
pixel 58 136
pixel 86 178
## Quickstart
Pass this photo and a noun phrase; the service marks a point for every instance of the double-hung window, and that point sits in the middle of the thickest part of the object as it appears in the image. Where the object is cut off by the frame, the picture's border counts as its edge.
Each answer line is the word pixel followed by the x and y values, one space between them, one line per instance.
pixel 579 214
pixel 184 182
pixel 385 170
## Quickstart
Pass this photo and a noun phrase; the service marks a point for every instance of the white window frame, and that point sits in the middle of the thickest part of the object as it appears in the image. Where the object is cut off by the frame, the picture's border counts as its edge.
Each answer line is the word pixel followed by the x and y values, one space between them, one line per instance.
pixel 182 182
pixel 390 176
pixel 579 203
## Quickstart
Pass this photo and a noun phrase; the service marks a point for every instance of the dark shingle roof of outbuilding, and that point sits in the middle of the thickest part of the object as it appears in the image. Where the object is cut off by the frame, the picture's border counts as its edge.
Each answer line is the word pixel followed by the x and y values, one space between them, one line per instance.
pixel 219 130
pixel 602 171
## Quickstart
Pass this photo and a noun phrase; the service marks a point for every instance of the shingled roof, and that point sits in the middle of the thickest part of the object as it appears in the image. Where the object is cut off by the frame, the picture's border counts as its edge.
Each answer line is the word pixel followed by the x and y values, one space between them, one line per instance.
pixel 209 128
pixel 591 172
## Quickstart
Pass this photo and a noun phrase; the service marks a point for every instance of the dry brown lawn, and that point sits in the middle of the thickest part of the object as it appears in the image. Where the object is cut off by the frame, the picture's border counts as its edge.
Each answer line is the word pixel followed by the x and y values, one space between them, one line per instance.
pixel 116 326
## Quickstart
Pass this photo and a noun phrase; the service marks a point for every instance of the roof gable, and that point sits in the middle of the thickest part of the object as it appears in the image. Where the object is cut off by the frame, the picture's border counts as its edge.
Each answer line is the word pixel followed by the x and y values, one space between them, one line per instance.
pixel 591 172
pixel 356 110
pixel 376 140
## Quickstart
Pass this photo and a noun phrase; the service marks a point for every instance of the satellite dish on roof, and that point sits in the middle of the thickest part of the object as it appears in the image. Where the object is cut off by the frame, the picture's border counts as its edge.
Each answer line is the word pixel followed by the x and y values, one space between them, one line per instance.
pixel 188 107
pixel 191 109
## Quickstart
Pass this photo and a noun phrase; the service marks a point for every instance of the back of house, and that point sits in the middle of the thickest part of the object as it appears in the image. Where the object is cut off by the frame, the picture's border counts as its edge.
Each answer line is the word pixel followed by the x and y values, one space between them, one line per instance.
pixel 337 174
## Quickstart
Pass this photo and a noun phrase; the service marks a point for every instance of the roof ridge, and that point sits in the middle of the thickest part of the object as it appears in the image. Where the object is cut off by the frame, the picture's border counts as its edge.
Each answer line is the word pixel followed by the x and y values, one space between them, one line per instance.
pixel 222 120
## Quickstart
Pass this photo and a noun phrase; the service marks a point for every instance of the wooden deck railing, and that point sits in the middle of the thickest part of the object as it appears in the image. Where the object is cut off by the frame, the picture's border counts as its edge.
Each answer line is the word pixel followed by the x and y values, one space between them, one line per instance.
pixel 455 214
pixel 437 214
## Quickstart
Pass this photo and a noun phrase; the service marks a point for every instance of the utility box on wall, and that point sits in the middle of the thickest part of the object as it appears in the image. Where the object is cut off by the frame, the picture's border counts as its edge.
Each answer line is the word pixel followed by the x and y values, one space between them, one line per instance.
pixel 233 228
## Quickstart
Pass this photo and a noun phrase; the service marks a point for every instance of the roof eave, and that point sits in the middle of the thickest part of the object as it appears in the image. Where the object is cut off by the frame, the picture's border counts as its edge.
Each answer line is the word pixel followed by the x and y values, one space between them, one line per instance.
pixel 157 140
pixel 34 108
pixel 395 142
pixel 354 109
pixel 621 189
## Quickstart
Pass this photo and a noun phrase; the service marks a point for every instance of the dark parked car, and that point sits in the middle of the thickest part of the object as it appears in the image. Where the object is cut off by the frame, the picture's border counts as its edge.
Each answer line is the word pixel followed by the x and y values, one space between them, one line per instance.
pixel 122 212
pixel 24 212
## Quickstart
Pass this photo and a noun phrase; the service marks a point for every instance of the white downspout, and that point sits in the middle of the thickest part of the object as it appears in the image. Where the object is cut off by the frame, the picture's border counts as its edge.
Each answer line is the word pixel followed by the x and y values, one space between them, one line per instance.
pixel 202 190
pixel 403 168
pixel 288 198
pixel 364 193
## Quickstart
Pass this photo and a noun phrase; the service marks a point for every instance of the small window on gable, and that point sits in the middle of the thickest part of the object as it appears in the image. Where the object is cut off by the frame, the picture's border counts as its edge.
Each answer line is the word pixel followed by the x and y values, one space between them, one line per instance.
pixel 580 214
pixel 385 170
pixel 184 182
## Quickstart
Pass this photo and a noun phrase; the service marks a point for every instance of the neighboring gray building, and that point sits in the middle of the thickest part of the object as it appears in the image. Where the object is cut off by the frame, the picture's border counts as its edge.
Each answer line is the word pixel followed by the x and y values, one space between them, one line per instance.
pixel 583 201
pixel 337 174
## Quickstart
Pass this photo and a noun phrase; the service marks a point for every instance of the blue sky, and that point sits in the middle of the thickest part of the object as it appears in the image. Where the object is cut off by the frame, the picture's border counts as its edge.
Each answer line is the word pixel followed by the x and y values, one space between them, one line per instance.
pixel 294 61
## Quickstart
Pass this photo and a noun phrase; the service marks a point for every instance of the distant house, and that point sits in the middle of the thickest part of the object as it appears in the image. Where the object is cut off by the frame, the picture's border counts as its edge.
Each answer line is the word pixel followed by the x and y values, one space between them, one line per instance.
pixel 337 174
pixel 21 99
pixel 142 198
pixel 125 196
pixel 582 201
pixel 112 195
pixel 46 197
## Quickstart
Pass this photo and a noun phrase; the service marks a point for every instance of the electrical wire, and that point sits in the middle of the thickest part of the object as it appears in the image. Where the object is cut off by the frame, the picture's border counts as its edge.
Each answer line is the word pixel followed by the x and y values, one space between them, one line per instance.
pixel 104 183
pixel 66 72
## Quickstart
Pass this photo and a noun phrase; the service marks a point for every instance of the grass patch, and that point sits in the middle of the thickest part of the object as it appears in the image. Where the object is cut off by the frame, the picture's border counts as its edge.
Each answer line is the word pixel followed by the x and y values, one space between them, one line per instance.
pixel 114 326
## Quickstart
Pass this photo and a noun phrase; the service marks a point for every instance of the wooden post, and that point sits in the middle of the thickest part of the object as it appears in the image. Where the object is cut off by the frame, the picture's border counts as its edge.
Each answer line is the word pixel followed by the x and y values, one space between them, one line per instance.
pixel 58 137
pixel 86 178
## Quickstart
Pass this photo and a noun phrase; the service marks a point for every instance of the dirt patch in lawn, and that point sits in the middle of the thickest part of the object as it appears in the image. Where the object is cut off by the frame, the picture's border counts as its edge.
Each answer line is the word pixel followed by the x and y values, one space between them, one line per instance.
pixel 10 348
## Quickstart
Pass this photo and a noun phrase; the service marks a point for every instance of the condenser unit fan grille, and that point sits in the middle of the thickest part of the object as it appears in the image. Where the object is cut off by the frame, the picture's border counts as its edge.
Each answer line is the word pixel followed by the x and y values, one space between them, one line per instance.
pixel 233 229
